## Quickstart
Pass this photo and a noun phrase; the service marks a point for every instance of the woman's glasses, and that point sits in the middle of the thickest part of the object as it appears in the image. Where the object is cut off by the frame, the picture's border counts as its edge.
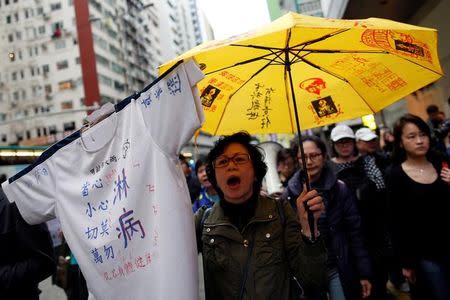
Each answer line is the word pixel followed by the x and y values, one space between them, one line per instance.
pixel 238 159
pixel 312 157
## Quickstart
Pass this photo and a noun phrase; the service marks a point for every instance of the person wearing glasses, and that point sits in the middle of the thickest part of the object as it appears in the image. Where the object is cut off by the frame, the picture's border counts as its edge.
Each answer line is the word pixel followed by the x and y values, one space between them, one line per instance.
pixel 252 245
pixel 348 264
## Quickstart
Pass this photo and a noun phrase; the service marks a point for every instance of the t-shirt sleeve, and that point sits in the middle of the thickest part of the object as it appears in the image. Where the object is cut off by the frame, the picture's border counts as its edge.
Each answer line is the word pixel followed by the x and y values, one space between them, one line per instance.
pixel 171 108
pixel 33 191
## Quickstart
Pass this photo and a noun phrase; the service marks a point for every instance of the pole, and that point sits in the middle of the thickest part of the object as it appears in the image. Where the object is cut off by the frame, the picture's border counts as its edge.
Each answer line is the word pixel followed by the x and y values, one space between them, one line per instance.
pixel 300 144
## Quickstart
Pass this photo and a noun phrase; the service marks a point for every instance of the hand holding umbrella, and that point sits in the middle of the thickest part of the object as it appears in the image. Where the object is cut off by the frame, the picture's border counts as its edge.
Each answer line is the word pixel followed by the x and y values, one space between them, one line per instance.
pixel 310 206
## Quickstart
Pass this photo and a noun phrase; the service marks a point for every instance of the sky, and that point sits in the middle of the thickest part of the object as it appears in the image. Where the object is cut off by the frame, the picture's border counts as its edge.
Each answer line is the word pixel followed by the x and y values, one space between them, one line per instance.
pixel 231 17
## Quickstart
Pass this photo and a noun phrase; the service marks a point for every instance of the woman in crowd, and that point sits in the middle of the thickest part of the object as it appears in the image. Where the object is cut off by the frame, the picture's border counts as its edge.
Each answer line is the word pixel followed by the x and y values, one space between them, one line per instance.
pixel 348 263
pixel 208 195
pixel 363 176
pixel 418 186
pixel 253 245
pixel 286 165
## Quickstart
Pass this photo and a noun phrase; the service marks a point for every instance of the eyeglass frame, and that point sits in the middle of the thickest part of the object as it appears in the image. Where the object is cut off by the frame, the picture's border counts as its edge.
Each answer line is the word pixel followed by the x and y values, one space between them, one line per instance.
pixel 312 157
pixel 232 159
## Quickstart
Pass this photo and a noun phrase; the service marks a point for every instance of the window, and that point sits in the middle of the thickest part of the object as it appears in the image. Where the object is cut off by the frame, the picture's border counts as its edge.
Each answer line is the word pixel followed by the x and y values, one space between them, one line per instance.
pixel 56 29
pixel 4 138
pixel 60 44
pixel 14 76
pixel 41 29
pixel 66 105
pixel 61 65
pixel 8 19
pixel 64 85
pixel 101 60
pixel 10 38
pixel 100 42
pixel 52 129
pixel 45 69
pixel 22 74
pixel 55 6
pixel 114 50
pixel 117 68
pixel 77 60
pixel 105 80
pixel 119 86
pixel 48 89
pixel 69 126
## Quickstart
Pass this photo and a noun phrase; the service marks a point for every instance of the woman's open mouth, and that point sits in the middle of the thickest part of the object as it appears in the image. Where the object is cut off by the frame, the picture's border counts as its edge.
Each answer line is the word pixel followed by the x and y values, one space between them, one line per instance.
pixel 233 182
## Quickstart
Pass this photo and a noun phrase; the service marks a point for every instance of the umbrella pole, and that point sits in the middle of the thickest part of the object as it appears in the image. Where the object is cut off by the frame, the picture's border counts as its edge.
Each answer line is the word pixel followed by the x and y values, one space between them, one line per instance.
pixel 302 151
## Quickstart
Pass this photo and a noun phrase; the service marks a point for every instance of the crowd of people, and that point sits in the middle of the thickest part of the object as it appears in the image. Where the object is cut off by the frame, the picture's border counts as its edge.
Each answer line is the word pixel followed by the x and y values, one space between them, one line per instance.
pixel 374 189
pixel 376 204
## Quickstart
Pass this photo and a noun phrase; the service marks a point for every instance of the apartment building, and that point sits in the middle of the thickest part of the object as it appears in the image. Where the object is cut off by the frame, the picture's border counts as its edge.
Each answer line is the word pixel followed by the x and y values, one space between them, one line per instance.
pixel 43 84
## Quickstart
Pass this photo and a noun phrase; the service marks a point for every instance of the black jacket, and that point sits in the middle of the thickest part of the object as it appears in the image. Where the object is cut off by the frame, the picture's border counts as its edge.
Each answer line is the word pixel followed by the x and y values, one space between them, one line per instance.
pixel 26 254
pixel 341 227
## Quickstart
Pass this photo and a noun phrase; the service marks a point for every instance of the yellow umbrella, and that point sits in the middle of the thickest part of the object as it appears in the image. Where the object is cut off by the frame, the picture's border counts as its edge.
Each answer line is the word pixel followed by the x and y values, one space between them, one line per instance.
pixel 331 69
pixel 303 72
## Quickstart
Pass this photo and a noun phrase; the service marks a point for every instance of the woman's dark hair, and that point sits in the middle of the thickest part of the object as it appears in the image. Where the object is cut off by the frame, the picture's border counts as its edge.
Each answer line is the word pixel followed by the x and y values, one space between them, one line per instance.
pixel 200 162
pixel 399 154
pixel 284 154
pixel 256 157
pixel 319 143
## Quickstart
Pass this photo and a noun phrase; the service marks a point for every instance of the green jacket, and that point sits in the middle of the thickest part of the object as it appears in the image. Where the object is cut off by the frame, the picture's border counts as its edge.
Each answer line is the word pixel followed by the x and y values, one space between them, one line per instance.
pixel 274 260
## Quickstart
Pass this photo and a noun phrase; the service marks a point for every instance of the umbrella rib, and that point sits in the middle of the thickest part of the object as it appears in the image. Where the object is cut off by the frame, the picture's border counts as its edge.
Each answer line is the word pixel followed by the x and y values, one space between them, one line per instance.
pixel 411 61
pixel 257 47
pixel 231 95
pixel 337 76
pixel 323 69
pixel 247 62
pixel 343 51
pixel 304 44
pixel 310 51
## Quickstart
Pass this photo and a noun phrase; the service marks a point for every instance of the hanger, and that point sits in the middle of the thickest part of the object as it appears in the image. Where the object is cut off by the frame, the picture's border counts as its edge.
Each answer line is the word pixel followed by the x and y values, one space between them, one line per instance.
pixel 98 115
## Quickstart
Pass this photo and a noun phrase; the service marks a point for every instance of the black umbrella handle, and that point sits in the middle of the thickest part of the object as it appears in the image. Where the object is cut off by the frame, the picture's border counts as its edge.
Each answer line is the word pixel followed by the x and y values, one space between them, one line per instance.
pixel 308 211
pixel 300 144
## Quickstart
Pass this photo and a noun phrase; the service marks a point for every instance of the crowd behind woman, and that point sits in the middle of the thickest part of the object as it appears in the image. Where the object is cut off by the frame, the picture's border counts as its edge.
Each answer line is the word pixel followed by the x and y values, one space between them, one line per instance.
pixel 383 222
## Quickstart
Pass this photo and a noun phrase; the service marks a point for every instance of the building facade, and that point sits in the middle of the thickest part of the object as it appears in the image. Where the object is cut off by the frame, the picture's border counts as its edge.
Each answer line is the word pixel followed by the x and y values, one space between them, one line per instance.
pixel 54 53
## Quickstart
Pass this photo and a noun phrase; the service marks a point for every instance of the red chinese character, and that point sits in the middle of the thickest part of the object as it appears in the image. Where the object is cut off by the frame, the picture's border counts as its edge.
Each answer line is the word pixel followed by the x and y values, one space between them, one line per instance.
pixel 139 262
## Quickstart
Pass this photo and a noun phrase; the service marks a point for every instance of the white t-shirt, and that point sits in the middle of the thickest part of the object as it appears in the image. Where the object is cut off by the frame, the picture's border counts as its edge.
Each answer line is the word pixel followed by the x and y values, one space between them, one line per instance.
pixel 120 194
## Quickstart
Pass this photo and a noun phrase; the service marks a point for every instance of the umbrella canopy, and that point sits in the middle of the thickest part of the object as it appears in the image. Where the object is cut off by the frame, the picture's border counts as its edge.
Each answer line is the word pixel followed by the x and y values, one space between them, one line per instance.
pixel 318 70
pixel 304 72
